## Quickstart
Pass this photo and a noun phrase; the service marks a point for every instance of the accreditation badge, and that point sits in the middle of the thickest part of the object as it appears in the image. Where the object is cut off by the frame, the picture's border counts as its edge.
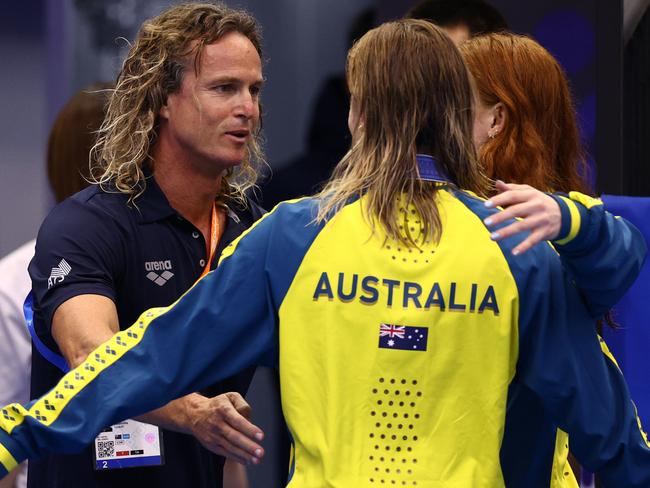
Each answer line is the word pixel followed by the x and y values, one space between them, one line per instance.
pixel 128 444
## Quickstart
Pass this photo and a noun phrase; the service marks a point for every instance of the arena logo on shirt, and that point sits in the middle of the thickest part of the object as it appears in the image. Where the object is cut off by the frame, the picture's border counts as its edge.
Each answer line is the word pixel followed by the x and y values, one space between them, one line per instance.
pixel 58 273
pixel 159 278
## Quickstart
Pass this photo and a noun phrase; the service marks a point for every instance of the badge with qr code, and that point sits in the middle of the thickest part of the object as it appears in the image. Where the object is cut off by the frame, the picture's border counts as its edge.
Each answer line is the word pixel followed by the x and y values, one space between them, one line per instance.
pixel 128 444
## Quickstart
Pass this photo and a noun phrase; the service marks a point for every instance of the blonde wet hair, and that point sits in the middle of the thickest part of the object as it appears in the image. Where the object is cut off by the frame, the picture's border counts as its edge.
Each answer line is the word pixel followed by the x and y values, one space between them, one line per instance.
pixel 414 94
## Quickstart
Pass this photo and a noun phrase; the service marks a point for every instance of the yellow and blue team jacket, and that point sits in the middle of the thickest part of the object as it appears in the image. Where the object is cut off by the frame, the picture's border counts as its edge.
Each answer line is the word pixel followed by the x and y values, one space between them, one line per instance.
pixel 397 364
pixel 603 261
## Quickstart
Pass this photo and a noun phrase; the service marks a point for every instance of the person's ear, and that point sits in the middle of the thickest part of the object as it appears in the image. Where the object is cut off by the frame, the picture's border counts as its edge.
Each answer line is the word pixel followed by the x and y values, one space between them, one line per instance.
pixel 163 113
pixel 500 116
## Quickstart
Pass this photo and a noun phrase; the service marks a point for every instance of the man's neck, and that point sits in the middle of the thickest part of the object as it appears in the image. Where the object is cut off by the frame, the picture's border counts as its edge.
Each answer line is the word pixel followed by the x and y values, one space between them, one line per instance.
pixel 189 192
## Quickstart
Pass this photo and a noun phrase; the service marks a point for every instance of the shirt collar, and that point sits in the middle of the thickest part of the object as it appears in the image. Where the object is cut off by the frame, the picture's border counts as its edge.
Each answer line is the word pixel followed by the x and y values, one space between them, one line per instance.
pixel 152 205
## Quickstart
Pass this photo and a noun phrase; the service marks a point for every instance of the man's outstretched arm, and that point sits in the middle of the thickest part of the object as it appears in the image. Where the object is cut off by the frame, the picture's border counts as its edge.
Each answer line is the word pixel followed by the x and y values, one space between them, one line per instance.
pixel 225 323
pixel 83 322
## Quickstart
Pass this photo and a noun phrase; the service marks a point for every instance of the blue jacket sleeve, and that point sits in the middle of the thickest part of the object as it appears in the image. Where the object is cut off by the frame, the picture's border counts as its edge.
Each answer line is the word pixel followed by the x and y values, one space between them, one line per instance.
pixel 602 253
pixel 583 391
pixel 223 324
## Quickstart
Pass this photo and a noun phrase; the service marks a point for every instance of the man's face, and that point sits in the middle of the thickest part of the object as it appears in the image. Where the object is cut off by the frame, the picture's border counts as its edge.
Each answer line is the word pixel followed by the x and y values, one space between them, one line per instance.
pixel 213 115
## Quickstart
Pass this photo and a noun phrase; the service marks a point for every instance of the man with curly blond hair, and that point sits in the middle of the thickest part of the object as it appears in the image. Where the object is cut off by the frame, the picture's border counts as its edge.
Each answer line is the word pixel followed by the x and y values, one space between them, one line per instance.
pixel 172 164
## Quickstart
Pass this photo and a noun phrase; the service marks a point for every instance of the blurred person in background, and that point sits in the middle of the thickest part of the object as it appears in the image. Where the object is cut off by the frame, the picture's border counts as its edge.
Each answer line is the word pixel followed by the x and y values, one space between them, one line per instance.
pixel 174 159
pixel 399 348
pixel 71 137
pixel 328 137
pixel 460 19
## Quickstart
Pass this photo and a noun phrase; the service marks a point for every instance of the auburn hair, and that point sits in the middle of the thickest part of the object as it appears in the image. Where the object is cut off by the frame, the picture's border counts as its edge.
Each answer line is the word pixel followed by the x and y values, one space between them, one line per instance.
pixel 414 94
pixel 73 134
pixel 540 143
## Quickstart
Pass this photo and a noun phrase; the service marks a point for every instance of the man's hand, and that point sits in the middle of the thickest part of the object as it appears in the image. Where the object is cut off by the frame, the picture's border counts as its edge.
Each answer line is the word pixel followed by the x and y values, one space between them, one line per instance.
pixel 540 214
pixel 221 425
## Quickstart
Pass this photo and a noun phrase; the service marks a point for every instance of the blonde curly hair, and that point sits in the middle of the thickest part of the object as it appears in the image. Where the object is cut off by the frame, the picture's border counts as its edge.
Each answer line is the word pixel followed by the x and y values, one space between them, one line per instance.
pixel 153 69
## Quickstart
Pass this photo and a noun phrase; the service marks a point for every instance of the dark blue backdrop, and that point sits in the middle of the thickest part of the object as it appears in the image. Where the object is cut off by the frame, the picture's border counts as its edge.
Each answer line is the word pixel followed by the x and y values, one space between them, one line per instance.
pixel 629 343
pixel 569 31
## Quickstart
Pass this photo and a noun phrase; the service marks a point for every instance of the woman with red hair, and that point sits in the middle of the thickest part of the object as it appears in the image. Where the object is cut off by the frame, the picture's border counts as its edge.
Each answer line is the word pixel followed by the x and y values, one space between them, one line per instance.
pixel 526 133
pixel 525 123
pixel 525 130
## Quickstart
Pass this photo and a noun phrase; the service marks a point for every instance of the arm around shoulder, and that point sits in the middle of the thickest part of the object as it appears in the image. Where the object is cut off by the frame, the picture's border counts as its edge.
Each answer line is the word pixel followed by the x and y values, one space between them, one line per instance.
pixel 602 253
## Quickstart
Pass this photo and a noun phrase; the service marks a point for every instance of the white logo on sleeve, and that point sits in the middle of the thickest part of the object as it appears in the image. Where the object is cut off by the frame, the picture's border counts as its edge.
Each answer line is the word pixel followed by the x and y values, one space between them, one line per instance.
pixel 159 278
pixel 58 273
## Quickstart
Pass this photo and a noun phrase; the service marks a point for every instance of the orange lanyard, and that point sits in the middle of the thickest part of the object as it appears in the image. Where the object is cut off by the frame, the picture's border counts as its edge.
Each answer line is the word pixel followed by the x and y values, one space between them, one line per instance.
pixel 215 235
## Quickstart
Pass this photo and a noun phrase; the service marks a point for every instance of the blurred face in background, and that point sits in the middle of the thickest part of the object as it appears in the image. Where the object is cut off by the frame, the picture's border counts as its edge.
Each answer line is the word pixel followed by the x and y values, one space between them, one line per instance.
pixel 459 33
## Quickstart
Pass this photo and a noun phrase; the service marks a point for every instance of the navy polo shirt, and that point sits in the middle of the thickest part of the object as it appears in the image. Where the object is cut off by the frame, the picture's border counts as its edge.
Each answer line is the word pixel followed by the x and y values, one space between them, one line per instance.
pixel 140 255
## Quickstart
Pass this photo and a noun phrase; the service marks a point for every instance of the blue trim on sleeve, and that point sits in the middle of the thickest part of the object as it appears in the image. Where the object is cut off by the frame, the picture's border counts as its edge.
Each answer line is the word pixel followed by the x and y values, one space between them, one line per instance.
pixel 604 256
pixel 561 362
pixel 528 444
pixel 54 358
pixel 528 441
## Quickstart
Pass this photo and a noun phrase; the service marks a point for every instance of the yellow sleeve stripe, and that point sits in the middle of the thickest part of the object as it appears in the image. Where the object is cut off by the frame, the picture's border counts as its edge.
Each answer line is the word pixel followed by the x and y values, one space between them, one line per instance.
pixel 610 356
pixel 585 200
pixel 48 408
pixel 638 421
pixel 575 221
pixel 605 350
pixel 7 460
pixel 12 416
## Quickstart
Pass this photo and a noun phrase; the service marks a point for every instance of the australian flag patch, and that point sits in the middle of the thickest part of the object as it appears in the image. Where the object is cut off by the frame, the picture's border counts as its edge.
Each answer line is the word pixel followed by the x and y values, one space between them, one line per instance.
pixel 403 337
